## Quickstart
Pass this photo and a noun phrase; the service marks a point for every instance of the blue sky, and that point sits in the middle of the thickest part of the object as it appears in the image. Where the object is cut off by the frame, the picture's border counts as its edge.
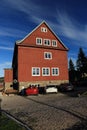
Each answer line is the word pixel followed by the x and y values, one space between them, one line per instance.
pixel 67 18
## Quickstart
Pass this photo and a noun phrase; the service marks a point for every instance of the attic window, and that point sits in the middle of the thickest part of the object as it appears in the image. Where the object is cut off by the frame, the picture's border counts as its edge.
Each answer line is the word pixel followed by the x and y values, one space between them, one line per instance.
pixel 47 42
pixel 54 43
pixel 39 41
pixel 43 29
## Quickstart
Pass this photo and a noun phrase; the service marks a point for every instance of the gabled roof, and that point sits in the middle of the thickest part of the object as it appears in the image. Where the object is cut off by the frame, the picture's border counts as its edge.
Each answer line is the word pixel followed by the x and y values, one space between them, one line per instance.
pixel 43 22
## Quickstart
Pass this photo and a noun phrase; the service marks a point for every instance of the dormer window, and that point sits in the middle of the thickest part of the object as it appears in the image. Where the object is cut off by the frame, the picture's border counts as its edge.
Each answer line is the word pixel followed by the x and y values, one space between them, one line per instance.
pixel 43 29
pixel 54 43
pixel 39 41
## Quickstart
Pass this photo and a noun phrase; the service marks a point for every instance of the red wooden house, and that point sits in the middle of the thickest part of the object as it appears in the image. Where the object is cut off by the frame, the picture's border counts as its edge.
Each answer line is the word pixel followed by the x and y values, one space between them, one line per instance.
pixel 40 58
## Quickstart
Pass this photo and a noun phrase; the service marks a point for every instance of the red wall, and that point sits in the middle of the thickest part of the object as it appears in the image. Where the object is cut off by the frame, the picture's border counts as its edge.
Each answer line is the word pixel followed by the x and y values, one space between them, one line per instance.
pixel 31 39
pixel 8 75
pixel 34 57
pixel 29 57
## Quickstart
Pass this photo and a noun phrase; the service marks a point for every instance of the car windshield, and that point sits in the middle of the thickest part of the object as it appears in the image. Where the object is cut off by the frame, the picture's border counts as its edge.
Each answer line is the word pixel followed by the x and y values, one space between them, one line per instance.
pixel 51 86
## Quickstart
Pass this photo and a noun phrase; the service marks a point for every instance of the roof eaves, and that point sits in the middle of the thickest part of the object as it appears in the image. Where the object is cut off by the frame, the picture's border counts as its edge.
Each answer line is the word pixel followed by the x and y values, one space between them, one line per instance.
pixel 56 36
pixel 19 41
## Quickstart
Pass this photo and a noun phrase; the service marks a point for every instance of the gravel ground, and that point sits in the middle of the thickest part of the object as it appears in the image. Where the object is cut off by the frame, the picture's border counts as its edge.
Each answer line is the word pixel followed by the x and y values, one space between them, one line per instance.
pixel 48 112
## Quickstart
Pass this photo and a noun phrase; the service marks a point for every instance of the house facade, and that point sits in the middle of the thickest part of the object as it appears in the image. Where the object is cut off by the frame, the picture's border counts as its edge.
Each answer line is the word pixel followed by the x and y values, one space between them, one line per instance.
pixel 40 58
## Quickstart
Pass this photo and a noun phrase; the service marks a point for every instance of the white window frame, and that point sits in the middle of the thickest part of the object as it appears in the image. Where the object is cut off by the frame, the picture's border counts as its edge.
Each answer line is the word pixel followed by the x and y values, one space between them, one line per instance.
pixel 47 42
pixel 43 29
pixel 46 73
pixel 39 43
pixel 54 43
pixel 55 71
pixel 36 70
pixel 48 55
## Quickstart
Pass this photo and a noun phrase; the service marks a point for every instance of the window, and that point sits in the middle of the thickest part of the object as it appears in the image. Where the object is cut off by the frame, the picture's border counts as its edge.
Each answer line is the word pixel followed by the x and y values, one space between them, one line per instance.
pixel 47 42
pixel 55 71
pixel 46 71
pixel 43 29
pixel 47 55
pixel 39 41
pixel 54 43
pixel 35 71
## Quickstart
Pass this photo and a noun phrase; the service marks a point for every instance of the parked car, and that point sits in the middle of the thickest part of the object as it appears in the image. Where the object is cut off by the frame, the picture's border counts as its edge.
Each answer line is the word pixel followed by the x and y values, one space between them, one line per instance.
pixel 42 90
pixel 51 89
pixel 66 87
pixel 31 90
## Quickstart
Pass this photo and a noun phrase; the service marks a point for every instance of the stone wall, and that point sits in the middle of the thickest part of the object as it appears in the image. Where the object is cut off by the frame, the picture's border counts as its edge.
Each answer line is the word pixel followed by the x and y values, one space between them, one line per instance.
pixel 23 85
pixel 8 85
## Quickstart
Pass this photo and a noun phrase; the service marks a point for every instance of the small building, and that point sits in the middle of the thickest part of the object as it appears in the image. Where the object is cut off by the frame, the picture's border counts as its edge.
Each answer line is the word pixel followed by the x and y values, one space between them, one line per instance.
pixel 8 78
pixel 40 58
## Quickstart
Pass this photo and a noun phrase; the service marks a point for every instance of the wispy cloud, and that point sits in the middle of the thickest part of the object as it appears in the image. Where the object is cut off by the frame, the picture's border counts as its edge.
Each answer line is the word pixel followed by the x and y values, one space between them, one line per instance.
pixel 11 32
pixel 3 66
pixel 6 48
pixel 65 25
pixel 33 10
pixel 75 33
pixel 28 7
pixel 21 5
pixel 61 22
pixel 70 28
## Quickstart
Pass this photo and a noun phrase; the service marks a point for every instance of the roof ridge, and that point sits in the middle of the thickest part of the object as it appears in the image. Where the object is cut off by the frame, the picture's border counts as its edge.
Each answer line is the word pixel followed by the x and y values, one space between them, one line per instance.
pixel 19 41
